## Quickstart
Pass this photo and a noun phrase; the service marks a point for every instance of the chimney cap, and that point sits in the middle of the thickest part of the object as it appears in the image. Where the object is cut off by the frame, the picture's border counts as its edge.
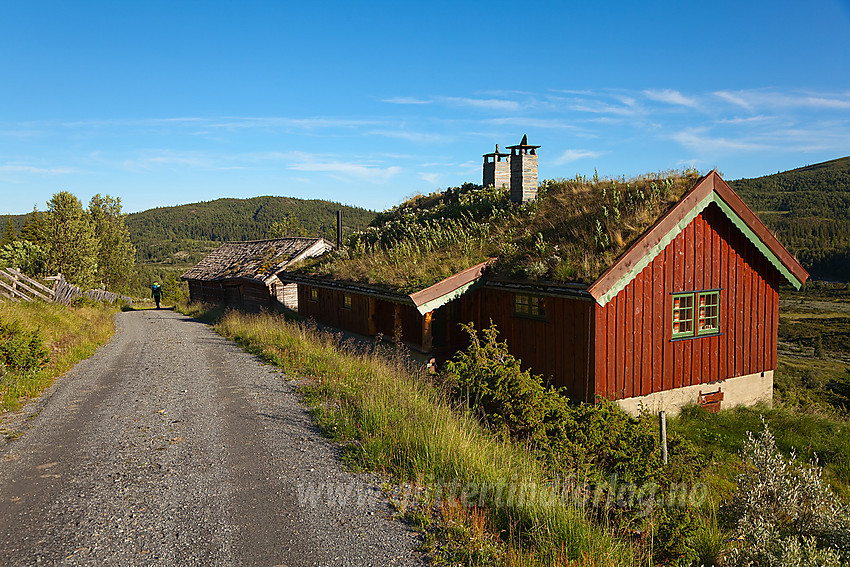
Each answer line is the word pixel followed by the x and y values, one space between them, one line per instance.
pixel 523 144
pixel 497 153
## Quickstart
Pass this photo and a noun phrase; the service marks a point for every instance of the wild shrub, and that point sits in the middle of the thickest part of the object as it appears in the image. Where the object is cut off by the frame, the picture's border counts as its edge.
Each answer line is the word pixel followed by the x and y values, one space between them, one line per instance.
pixel 490 381
pixel 677 529
pixel 21 351
pixel 596 439
pixel 600 446
pixel 784 513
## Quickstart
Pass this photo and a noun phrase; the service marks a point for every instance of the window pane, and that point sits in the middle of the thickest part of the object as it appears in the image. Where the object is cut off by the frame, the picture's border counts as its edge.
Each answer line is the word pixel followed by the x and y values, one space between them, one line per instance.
pixel 709 312
pixel 683 315
pixel 528 305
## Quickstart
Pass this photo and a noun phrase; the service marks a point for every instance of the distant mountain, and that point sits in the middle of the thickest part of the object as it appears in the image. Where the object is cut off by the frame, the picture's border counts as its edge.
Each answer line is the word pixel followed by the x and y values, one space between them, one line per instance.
pixel 184 234
pixel 809 209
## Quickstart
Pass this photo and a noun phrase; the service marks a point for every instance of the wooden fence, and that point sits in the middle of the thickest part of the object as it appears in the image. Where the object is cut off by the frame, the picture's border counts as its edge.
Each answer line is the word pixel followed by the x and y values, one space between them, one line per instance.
pixel 15 286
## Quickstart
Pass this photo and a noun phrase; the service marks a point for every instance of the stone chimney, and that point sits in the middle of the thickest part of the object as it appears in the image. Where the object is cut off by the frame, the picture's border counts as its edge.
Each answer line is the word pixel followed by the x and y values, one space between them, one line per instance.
pixel 523 165
pixel 497 169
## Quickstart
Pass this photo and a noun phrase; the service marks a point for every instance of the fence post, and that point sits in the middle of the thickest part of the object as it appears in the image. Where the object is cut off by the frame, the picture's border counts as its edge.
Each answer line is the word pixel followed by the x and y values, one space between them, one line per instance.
pixel 662 422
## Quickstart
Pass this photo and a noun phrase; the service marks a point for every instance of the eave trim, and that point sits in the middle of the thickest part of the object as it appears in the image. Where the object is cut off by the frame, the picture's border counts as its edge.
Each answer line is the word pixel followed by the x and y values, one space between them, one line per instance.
pixel 671 235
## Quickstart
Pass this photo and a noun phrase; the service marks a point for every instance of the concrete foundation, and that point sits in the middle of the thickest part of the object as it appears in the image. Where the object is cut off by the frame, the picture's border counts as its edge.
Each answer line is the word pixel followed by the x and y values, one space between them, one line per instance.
pixel 741 390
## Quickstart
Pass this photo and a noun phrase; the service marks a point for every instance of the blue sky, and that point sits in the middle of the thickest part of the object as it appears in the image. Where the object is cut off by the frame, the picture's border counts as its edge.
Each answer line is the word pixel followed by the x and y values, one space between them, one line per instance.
pixel 162 103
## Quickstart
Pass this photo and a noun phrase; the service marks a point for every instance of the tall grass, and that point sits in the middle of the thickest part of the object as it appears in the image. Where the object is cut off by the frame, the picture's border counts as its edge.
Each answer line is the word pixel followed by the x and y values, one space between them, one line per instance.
pixel 393 420
pixel 70 333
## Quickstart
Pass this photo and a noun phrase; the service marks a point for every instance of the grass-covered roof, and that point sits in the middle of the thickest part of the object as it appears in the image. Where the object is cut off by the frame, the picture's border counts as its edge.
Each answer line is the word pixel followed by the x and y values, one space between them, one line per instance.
pixel 571 233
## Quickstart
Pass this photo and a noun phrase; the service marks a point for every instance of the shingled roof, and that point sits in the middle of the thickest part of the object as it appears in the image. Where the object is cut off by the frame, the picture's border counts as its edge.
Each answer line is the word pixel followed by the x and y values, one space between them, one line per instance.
pixel 257 260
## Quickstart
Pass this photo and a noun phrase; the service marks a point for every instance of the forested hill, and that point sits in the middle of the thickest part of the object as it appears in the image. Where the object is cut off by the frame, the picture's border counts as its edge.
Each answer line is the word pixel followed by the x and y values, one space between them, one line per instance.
pixel 185 233
pixel 809 209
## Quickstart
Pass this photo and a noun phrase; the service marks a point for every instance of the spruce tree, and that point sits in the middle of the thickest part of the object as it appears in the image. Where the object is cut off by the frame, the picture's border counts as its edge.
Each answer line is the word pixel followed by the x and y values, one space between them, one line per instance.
pixel 33 229
pixel 9 234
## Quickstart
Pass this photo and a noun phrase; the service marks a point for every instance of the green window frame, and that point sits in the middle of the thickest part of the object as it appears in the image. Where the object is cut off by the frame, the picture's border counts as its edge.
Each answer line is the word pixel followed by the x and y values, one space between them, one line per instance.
pixel 708 312
pixel 696 314
pixel 346 301
pixel 529 306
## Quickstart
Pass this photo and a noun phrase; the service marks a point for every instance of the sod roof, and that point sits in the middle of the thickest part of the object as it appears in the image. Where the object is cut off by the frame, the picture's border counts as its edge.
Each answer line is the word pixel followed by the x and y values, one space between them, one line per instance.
pixel 572 233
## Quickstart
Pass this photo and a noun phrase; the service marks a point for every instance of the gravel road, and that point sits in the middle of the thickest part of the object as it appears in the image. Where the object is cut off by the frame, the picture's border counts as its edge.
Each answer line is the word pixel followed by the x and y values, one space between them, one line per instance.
pixel 172 446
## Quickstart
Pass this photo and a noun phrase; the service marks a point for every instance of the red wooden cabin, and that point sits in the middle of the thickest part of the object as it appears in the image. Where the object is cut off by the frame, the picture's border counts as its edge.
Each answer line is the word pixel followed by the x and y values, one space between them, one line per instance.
pixel 688 314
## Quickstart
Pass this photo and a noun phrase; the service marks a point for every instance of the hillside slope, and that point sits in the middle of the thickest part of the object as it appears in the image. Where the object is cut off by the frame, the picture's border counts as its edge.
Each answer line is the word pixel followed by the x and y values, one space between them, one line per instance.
pixel 809 209
pixel 184 234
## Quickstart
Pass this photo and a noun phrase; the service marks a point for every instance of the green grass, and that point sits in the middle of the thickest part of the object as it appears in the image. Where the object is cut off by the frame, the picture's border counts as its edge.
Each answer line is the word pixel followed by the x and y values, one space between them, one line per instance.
pixel 810 414
pixel 71 335
pixel 391 418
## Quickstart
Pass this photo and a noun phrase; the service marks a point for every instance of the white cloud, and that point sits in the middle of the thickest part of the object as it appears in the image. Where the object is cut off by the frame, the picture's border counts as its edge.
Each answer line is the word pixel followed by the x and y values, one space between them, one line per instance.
pixel 484 103
pixel 419 137
pixel 430 178
pixel 17 168
pixel 574 155
pixel 670 96
pixel 756 99
pixel 600 107
pixel 551 123
pixel 695 140
pixel 406 100
pixel 155 159
pixel 348 170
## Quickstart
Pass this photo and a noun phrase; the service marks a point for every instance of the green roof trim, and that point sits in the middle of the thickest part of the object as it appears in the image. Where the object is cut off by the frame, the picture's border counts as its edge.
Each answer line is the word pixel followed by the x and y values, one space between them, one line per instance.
pixel 443 299
pixel 757 242
pixel 713 197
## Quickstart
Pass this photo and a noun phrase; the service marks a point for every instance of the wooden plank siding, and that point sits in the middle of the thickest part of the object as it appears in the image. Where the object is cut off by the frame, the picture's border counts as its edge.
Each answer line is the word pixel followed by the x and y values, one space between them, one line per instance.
pixel 328 308
pixel 559 347
pixel 710 253
pixel 238 294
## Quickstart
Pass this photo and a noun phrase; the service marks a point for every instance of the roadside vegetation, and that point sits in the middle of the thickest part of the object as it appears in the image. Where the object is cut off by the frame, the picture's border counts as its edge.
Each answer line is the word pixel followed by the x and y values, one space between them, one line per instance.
pixel 40 341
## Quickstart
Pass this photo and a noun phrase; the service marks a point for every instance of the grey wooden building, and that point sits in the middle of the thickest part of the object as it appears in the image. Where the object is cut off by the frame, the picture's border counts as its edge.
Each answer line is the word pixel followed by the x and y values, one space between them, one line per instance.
pixel 243 275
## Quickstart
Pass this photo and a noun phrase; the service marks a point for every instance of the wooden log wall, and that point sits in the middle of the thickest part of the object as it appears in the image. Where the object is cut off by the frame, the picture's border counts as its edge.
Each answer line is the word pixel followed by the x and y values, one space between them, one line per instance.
pixel 635 354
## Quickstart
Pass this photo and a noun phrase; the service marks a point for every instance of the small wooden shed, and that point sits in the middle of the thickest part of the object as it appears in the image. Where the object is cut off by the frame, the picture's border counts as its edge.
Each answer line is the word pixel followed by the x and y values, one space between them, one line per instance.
pixel 688 313
pixel 243 275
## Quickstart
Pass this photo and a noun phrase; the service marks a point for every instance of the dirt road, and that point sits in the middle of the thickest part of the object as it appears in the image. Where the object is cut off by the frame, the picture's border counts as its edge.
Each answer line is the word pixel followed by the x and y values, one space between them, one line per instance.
pixel 171 446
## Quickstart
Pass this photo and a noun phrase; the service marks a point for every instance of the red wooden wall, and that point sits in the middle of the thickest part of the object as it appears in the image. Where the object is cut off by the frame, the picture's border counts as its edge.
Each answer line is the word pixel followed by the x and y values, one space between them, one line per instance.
pixel 328 309
pixel 557 347
pixel 634 354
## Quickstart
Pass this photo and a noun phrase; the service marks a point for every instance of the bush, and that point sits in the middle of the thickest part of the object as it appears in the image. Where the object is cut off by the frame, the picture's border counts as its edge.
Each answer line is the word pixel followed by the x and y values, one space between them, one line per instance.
pixel 489 380
pixel 21 351
pixel 596 438
pixel 677 530
pixel 784 513
pixel 25 256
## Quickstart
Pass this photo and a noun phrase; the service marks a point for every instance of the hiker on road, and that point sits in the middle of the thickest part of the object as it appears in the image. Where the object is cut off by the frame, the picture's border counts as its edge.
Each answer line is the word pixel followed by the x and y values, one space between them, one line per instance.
pixel 156 290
